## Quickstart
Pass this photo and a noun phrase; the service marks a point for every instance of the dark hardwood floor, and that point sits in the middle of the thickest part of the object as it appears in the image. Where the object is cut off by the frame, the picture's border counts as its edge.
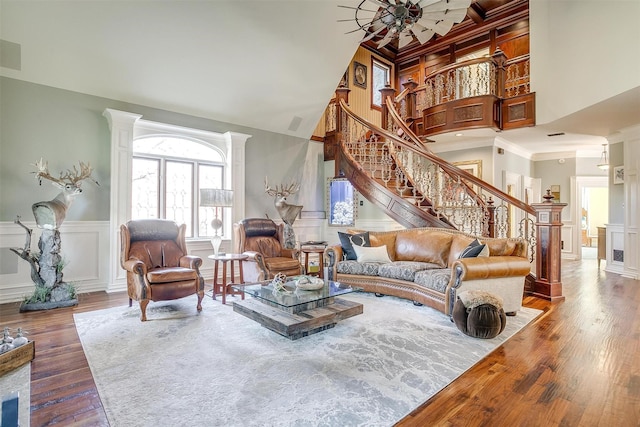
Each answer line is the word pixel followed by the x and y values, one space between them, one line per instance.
pixel 576 365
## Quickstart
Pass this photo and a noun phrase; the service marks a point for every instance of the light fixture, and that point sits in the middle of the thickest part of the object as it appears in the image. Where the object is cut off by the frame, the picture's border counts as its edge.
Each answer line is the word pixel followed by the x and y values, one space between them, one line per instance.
pixel 604 161
pixel 216 198
pixel 406 19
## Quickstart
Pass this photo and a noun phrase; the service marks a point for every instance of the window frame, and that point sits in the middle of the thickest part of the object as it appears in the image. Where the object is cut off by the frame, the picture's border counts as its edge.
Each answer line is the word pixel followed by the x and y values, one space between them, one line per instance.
pixel 146 129
pixel 163 161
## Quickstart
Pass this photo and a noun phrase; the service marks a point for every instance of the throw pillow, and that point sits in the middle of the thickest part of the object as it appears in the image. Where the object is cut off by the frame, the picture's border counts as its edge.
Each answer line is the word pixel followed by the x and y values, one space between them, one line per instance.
pixel 475 249
pixel 348 241
pixel 372 254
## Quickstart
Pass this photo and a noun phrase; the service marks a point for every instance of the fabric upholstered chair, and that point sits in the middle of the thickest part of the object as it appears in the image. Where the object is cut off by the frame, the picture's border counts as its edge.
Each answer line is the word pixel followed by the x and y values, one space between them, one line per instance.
pixel 262 240
pixel 154 254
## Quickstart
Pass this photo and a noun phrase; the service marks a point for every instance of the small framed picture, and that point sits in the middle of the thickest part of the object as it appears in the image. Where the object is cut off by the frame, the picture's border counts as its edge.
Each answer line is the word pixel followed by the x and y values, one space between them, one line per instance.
pixel 618 175
pixel 360 75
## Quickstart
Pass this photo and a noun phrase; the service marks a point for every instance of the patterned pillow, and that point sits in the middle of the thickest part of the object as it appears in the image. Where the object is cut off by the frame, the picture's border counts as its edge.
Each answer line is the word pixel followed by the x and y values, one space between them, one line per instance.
pixel 347 241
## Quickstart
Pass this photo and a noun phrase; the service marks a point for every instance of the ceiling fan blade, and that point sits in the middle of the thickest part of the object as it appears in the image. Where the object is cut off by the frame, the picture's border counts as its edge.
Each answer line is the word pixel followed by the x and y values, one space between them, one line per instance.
pixel 423 3
pixel 387 38
pixel 373 34
pixel 455 15
pixel 379 3
pixel 440 27
pixel 422 34
pixel 446 4
pixel 404 39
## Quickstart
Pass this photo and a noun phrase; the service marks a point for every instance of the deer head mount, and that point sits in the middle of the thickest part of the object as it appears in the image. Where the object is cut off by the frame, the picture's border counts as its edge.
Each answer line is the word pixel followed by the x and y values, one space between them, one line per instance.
pixel 50 214
pixel 287 212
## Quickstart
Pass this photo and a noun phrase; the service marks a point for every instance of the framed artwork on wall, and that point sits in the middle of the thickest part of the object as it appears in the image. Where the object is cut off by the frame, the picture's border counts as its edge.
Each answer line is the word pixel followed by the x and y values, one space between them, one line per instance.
pixel 618 175
pixel 360 75
pixel 474 167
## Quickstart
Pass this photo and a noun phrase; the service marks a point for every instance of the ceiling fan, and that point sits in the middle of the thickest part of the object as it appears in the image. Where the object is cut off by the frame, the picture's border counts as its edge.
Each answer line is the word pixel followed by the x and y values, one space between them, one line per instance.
pixel 406 19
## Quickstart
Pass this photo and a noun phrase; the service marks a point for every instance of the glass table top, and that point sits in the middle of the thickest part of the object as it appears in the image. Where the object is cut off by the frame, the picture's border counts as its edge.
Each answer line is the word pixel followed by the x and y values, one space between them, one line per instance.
pixel 293 296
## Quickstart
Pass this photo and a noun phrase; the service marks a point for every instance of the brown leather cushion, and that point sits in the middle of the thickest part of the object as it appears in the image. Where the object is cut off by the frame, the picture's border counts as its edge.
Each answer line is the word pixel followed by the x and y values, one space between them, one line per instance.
pixel 259 227
pixel 156 253
pixel 268 246
pixel 382 239
pixel 152 229
pixel 281 263
pixel 423 246
pixel 458 244
pixel 171 274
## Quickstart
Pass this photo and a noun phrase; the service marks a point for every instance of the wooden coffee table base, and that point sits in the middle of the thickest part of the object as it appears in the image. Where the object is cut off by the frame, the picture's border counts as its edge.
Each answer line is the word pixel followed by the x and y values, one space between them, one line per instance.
pixel 301 324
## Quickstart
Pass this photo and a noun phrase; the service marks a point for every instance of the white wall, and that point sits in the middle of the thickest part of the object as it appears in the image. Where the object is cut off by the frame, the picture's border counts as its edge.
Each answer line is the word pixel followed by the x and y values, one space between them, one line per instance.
pixel 585 50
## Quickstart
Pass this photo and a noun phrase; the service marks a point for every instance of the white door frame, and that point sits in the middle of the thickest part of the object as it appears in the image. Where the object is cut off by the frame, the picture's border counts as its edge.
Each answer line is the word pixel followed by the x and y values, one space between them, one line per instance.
pixel 581 183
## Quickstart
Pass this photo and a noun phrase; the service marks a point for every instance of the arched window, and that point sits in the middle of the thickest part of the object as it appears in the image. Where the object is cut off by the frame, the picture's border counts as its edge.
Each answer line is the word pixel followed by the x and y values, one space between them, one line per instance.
pixel 167 174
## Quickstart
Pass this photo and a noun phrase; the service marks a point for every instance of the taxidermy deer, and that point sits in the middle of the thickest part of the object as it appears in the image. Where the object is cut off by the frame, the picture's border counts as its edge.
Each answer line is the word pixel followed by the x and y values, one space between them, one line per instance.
pixel 50 214
pixel 287 212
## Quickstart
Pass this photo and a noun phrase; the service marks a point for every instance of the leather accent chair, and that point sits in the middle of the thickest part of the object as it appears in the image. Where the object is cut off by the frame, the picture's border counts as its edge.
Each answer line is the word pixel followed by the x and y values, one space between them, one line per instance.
pixel 262 240
pixel 154 254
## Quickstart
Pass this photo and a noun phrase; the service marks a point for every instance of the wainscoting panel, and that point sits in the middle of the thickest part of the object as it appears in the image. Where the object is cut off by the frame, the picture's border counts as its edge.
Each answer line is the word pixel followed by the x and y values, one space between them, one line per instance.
pixel 615 248
pixel 568 236
pixel 85 248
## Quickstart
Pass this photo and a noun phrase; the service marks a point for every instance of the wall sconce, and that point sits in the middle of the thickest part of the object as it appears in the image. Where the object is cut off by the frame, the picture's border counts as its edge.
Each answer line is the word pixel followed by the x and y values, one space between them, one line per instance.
pixel 216 198
pixel 604 161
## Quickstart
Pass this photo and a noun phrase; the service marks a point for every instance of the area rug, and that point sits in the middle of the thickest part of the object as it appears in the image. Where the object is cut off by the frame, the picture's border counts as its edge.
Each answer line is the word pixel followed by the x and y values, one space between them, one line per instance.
pixel 219 368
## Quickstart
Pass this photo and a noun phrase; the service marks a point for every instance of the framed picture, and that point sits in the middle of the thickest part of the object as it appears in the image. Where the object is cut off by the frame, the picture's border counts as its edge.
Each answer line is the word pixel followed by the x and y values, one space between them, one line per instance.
pixel 360 75
pixel 618 175
pixel 474 167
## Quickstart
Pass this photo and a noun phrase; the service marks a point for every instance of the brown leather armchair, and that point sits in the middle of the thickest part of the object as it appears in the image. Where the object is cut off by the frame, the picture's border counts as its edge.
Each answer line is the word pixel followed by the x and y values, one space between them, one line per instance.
pixel 154 254
pixel 262 240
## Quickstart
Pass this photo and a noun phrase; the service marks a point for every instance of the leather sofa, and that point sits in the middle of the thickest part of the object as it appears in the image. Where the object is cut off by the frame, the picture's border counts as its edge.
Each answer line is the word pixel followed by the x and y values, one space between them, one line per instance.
pixel 425 266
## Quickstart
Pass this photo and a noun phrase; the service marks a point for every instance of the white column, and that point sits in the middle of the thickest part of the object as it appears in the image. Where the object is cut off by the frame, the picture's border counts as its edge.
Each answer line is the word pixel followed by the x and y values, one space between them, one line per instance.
pixel 631 203
pixel 236 149
pixel 122 125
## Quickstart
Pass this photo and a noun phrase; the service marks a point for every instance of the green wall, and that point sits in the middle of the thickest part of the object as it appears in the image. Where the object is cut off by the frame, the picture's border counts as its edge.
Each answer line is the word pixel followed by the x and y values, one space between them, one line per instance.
pixel 65 127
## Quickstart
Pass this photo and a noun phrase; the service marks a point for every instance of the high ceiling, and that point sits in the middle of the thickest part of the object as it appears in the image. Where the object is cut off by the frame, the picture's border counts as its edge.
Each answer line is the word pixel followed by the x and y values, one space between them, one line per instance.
pixel 265 64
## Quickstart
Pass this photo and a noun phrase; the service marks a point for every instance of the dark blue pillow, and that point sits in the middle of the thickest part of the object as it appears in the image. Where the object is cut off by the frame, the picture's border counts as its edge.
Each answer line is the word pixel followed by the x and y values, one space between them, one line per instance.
pixel 348 240
pixel 474 249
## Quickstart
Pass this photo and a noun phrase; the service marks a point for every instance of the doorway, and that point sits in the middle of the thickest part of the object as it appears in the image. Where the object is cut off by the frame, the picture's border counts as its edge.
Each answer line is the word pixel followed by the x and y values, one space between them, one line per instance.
pixel 593 206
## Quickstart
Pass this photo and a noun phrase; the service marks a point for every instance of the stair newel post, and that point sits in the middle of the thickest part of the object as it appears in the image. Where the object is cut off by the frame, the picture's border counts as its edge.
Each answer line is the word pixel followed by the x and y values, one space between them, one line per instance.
pixel 491 220
pixel 499 59
pixel 342 93
pixel 386 92
pixel 547 284
pixel 410 99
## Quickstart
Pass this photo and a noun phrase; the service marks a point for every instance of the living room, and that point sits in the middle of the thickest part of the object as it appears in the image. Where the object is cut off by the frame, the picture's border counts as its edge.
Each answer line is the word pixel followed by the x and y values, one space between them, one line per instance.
pixel 49 117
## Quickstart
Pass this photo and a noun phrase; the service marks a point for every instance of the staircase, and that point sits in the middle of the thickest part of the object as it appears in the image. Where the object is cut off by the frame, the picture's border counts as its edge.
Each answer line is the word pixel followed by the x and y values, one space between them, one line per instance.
pixel 393 168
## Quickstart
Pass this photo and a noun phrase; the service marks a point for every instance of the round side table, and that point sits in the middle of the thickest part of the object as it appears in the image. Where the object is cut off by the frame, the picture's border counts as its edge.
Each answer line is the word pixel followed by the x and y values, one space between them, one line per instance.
pixel 224 288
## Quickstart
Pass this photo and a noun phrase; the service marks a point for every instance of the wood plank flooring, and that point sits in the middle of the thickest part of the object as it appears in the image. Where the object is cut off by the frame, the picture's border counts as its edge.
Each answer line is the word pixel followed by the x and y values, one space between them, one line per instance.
pixel 577 365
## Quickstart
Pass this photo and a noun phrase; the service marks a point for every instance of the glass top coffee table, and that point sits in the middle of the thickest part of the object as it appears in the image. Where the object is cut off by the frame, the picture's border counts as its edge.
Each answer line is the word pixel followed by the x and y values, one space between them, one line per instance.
pixel 296 313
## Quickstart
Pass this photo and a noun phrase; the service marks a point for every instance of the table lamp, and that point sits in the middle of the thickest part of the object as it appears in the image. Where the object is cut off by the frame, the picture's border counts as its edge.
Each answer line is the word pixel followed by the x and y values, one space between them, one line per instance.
pixel 216 198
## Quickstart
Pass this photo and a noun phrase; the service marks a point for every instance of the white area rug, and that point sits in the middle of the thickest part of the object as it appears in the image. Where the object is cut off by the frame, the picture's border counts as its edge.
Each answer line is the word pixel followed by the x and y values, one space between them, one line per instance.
pixel 222 369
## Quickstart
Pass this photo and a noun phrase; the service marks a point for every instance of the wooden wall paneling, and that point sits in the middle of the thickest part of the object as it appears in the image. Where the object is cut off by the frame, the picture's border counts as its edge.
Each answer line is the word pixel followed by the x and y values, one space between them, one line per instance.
pixel 519 111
